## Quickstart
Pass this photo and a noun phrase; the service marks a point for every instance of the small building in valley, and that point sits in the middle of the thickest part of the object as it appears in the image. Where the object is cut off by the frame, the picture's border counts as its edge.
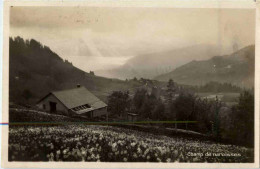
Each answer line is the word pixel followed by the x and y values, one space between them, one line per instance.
pixel 73 102
pixel 132 117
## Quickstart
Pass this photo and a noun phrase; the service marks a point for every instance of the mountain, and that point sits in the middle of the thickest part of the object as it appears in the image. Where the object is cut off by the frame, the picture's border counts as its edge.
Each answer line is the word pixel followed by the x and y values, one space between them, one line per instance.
pixel 35 70
pixel 153 64
pixel 237 68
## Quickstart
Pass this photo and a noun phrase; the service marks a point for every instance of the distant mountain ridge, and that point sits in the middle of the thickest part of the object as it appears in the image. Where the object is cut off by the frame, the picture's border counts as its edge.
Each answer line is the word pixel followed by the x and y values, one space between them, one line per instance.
pixel 237 68
pixel 35 70
pixel 151 65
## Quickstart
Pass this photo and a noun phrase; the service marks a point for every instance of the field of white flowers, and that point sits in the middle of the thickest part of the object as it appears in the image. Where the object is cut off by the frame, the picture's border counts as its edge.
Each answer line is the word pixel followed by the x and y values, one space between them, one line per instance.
pixel 113 144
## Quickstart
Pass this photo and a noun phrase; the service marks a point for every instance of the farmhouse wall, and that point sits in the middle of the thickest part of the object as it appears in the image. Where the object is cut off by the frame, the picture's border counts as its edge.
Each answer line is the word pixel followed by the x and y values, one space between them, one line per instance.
pixel 46 101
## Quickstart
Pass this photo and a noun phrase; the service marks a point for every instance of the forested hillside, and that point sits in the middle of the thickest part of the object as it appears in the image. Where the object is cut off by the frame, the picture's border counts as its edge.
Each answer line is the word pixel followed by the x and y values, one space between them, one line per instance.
pixel 36 70
pixel 237 68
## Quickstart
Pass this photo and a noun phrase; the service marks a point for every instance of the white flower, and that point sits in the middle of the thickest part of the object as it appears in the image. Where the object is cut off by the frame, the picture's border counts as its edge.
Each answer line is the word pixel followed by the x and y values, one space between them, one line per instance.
pixel 83 152
pixel 114 145
pixel 146 151
pixel 125 159
pixel 133 144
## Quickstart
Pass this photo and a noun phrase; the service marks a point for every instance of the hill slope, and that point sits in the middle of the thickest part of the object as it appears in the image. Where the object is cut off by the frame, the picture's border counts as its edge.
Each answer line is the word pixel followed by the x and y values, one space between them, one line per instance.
pixel 237 68
pixel 154 64
pixel 35 70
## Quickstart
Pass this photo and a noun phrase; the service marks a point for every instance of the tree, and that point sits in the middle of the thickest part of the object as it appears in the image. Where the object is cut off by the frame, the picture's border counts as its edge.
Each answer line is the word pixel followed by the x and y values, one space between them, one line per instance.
pixel 155 91
pixel 118 102
pixel 184 107
pixel 204 116
pixel 159 111
pixel 216 109
pixel 91 73
pixel 35 45
pixel 243 119
pixel 170 90
pixel 148 106
pixel 139 98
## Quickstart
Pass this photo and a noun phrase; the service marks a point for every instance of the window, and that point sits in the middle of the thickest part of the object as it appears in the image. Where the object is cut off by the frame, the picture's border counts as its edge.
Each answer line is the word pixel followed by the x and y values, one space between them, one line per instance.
pixel 87 105
pixel 82 107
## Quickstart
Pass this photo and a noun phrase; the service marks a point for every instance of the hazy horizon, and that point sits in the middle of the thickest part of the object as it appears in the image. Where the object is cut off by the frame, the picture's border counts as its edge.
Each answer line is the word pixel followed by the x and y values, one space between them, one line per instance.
pixel 100 38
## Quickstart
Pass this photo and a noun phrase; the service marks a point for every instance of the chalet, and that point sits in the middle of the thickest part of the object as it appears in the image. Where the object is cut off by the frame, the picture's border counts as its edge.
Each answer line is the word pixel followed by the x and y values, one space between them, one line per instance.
pixel 78 101
pixel 132 117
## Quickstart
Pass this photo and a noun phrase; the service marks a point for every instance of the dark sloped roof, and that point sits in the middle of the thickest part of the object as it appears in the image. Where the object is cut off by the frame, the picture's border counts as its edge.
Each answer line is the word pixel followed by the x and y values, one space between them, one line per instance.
pixel 77 97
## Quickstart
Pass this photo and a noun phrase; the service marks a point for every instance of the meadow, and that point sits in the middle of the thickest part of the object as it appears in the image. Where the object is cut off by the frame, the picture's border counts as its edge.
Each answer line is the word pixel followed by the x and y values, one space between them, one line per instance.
pixel 114 144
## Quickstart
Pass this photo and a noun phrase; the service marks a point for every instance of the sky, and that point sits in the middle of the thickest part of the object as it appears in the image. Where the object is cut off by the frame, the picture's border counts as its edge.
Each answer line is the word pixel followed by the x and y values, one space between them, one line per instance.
pixel 95 38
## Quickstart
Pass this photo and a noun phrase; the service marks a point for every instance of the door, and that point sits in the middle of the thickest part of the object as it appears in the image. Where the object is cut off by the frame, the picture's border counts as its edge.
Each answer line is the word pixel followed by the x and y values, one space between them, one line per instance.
pixel 53 107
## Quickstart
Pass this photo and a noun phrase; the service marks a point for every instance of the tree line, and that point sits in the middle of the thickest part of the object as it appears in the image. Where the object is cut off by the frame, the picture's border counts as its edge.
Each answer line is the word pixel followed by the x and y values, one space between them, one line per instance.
pixel 212 117
pixel 215 87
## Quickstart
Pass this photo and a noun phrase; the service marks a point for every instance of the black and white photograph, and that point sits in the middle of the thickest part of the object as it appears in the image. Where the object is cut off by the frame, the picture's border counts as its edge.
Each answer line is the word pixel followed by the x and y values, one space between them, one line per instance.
pixel 131 84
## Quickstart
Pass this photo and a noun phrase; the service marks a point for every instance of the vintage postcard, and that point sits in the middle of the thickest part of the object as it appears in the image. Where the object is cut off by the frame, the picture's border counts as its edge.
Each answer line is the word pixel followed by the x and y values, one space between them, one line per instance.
pixel 131 84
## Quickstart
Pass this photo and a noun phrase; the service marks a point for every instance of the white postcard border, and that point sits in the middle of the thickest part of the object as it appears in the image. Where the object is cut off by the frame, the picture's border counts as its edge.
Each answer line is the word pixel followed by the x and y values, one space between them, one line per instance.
pixel 124 3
